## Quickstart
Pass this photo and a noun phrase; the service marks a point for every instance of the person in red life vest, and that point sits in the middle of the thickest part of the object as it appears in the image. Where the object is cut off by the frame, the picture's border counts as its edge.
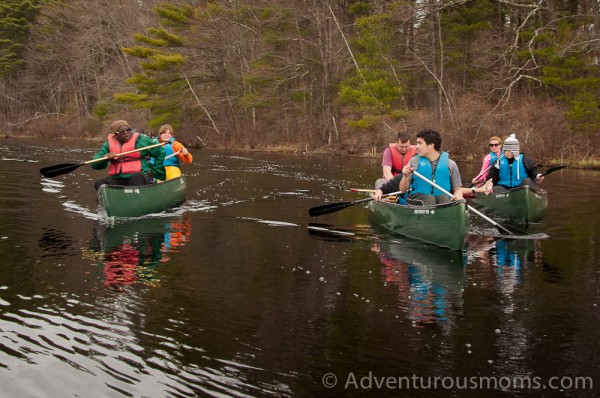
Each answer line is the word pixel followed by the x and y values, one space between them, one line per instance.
pixel 174 150
pixel 395 157
pixel 514 169
pixel 132 169
pixel 432 163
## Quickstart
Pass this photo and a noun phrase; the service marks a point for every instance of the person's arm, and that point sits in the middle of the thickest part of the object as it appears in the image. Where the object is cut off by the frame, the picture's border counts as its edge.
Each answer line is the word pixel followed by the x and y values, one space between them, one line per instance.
pixel 455 181
pixel 156 168
pixel 389 187
pixel 532 170
pixel 386 164
pixel 185 156
pixel 484 169
pixel 100 154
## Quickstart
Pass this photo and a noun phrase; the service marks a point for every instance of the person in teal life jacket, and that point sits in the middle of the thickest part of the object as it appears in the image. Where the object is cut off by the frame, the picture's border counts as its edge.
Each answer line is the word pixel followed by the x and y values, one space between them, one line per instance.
pixel 175 152
pixel 132 169
pixel 514 169
pixel 395 157
pixel 434 165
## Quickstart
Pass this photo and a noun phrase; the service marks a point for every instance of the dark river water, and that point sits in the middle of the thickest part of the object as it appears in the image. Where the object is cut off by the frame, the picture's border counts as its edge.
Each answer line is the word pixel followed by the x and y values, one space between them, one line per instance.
pixel 240 293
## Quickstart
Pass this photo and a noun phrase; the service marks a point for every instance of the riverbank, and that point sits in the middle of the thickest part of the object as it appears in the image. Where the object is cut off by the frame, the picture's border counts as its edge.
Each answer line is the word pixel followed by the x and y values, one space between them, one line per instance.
pixel 336 149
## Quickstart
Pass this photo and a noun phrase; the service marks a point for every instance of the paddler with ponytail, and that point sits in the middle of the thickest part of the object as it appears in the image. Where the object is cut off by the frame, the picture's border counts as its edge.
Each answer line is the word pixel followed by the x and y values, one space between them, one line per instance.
pixel 132 169
pixel 174 152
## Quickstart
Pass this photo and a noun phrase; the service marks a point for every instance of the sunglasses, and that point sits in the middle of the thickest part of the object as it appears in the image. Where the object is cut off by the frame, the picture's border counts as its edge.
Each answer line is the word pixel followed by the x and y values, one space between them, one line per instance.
pixel 122 131
pixel 494 144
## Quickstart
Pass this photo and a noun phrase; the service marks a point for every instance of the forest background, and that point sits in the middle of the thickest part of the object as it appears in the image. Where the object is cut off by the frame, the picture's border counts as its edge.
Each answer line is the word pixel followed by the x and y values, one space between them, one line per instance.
pixel 328 76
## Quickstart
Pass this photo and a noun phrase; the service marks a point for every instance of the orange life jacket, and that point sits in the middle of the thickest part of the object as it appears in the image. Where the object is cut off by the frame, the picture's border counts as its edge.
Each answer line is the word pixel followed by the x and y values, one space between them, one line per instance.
pixel 127 164
pixel 399 160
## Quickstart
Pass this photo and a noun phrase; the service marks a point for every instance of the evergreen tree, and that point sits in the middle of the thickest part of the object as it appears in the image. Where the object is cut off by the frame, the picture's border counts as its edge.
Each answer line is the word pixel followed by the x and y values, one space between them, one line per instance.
pixel 16 17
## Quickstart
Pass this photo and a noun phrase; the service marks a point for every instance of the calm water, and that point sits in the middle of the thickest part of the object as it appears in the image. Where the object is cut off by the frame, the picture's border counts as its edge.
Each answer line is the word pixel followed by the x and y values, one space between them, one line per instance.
pixel 234 295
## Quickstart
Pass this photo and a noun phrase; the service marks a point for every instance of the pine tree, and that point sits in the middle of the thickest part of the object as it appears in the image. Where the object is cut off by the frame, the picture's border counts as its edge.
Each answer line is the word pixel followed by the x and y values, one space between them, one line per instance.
pixel 16 17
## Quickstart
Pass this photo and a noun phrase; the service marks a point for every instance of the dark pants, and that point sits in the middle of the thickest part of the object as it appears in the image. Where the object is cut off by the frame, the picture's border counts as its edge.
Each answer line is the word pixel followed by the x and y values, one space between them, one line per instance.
pixel 422 199
pixel 136 179
pixel 502 188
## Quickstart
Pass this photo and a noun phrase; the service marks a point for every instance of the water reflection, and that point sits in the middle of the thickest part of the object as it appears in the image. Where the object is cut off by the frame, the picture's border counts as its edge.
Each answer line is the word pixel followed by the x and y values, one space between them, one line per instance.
pixel 429 280
pixel 132 251
pixel 509 256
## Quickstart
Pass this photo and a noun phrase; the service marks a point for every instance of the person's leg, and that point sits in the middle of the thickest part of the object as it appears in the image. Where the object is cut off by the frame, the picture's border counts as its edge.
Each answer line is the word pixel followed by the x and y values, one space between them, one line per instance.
pixel 138 179
pixel 499 189
pixel 172 172
pixel 421 199
pixel 528 181
pixel 441 199
pixel 109 181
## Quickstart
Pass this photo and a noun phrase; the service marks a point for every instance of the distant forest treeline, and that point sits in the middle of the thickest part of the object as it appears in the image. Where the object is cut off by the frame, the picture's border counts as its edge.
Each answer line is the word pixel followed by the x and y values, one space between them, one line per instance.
pixel 321 75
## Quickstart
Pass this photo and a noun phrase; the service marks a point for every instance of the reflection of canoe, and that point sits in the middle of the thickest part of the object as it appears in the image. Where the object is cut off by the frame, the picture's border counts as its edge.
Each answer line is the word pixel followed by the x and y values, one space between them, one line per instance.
pixel 521 204
pixel 146 199
pixel 443 225
pixel 113 235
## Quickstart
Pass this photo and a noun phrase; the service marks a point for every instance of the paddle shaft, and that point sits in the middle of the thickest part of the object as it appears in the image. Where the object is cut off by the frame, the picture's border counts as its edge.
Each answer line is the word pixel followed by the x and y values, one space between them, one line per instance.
pixel 124 153
pixel 551 170
pixel 333 207
pixel 480 214
pixel 485 171
pixel 173 154
pixel 60 169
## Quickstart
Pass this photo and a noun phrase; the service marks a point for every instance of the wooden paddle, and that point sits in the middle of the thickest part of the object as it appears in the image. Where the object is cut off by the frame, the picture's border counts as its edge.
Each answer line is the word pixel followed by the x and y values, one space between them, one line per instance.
pixel 502 228
pixel 64 168
pixel 333 207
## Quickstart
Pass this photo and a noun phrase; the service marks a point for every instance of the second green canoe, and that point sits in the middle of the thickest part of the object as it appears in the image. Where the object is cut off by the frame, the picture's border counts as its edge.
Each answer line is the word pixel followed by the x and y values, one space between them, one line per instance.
pixel 117 201
pixel 520 204
pixel 444 225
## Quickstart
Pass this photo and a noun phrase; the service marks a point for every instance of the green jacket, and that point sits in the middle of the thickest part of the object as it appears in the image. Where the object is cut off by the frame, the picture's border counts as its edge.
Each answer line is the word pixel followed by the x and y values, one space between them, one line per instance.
pixel 155 169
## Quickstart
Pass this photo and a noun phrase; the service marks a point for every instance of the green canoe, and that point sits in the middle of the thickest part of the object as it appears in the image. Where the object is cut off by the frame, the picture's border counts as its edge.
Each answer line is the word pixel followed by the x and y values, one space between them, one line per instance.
pixel 520 204
pixel 137 201
pixel 444 225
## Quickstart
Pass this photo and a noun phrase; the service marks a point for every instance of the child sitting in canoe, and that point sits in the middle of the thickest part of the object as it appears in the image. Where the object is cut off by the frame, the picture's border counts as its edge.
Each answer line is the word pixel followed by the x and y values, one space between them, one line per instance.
pixel 174 152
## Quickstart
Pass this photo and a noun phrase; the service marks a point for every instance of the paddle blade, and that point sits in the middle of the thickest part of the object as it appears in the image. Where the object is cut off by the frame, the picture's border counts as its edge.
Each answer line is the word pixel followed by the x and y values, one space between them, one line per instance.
pixel 552 170
pixel 333 207
pixel 59 169
pixel 510 230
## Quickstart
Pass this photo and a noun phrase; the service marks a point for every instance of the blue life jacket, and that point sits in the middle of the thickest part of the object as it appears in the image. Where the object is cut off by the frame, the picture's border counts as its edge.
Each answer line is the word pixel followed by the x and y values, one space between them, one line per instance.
pixel 173 160
pixel 493 157
pixel 511 175
pixel 441 177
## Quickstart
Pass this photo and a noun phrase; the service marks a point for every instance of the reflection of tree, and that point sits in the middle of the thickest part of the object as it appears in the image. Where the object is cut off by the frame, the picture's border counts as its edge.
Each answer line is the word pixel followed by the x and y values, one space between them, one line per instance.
pixel 425 279
pixel 132 251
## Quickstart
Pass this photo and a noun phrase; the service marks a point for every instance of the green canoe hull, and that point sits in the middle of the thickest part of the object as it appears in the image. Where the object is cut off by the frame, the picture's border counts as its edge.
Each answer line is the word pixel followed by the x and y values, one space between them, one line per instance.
pixel 521 204
pixel 137 201
pixel 442 225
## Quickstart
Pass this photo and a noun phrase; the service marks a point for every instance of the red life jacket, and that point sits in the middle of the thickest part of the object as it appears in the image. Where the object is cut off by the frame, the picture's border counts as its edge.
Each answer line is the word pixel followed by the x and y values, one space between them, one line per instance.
pixel 399 160
pixel 127 164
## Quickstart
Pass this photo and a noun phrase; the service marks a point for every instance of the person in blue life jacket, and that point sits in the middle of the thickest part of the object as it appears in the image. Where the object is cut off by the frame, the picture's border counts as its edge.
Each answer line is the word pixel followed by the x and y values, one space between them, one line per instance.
pixel 434 165
pixel 514 169
pixel 133 169
pixel 395 157
pixel 175 152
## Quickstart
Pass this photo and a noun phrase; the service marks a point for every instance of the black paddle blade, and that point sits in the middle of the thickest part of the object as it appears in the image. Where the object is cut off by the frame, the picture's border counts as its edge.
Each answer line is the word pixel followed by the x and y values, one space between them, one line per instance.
pixel 59 169
pixel 510 230
pixel 552 170
pixel 333 207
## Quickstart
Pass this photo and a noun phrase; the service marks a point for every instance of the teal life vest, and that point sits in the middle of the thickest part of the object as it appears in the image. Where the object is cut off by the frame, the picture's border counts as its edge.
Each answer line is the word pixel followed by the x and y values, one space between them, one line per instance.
pixel 511 175
pixel 441 177
pixel 173 160
pixel 493 157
